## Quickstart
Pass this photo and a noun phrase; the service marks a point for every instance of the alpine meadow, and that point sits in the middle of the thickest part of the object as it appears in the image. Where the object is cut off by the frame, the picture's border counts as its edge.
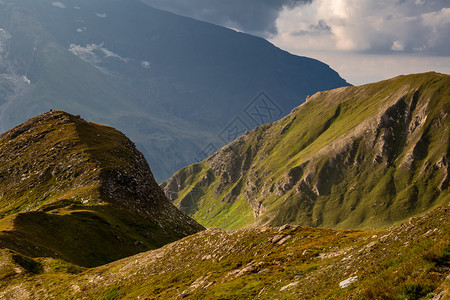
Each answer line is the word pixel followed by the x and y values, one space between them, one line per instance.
pixel 171 149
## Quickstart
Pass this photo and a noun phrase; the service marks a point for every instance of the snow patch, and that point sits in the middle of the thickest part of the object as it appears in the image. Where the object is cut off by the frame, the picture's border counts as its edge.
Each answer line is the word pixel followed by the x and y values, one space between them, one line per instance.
pixel 58 4
pixel 145 64
pixel 4 37
pixel 26 80
pixel 94 53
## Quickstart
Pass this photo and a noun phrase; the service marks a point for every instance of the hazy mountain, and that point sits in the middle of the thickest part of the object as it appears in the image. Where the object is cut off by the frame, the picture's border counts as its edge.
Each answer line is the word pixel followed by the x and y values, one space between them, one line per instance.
pixel 179 88
pixel 353 157
pixel 81 192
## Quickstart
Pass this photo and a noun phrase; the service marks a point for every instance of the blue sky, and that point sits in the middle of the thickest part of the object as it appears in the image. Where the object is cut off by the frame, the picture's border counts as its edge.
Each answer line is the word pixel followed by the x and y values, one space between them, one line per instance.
pixel 364 40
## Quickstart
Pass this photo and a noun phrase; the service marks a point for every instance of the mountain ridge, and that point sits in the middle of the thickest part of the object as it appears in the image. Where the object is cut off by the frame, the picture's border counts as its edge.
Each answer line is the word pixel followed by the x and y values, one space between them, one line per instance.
pixel 78 201
pixel 350 157
pixel 81 192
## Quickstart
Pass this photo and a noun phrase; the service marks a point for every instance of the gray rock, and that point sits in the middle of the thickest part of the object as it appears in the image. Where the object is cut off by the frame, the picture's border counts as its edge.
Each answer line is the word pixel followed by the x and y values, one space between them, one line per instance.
pixel 283 240
pixel 284 227
pixel 289 286
pixel 277 238
pixel 345 283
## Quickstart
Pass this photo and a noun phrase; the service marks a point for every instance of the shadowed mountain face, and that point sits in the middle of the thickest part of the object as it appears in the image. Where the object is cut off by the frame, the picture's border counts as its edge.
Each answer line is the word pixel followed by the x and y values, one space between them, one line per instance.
pixel 178 87
pixel 353 157
pixel 80 192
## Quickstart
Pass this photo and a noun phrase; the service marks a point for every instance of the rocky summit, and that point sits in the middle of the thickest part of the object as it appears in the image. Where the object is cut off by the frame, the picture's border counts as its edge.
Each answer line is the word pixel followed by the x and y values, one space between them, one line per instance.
pixel 82 193
pixel 354 157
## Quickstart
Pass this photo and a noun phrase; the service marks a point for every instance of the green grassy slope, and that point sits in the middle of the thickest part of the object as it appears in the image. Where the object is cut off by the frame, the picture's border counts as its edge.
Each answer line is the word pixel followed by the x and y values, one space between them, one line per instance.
pixel 80 192
pixel 409 261
pixel 354 157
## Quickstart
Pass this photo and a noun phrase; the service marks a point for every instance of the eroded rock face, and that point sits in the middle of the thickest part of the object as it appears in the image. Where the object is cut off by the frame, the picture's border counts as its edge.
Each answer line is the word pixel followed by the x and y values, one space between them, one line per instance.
pixel 350 157
pixel 82 192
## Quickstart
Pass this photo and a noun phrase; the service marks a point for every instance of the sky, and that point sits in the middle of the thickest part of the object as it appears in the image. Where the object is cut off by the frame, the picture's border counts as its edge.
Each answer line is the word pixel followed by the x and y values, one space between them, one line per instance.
pixel 363 40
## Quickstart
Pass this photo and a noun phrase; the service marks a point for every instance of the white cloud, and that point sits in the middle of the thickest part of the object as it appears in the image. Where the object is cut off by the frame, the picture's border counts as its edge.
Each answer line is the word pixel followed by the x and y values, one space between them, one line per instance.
pixel 77 7
pixel 101 15
pixel 438 35
pixel 4 37
pixel 79 30
pixel 58 4
pixel 370 26
pixel 397 46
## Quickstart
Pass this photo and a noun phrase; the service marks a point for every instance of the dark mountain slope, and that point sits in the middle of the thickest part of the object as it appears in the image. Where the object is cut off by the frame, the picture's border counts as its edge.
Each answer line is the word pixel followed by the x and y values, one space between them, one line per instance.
pixel 354 157
pixel 171 83
pixel 80 192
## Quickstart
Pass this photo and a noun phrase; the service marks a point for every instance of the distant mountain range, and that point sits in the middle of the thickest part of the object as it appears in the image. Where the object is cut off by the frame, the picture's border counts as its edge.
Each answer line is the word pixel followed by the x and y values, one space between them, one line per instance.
pixel 353 157
pixel 178 87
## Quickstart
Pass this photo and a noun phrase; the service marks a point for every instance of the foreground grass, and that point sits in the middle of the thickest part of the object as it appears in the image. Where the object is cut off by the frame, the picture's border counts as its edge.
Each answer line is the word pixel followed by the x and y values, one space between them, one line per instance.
pixel 410 261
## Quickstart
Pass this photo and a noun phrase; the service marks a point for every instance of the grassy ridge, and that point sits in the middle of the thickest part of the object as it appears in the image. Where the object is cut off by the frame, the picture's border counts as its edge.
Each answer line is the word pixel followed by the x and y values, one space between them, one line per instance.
pixel 80 192
pixel 354 157
pixel 409 261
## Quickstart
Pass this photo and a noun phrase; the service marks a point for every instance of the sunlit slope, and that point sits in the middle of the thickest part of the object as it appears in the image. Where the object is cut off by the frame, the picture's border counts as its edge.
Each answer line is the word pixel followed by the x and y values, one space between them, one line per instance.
pixel 409 261
pixel 353 157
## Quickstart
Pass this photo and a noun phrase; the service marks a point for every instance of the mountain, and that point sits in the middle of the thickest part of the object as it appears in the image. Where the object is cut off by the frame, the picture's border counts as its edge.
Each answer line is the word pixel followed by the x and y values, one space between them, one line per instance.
pixel 410 261
pixel 82 193
pixel 353 157
pixel 178 87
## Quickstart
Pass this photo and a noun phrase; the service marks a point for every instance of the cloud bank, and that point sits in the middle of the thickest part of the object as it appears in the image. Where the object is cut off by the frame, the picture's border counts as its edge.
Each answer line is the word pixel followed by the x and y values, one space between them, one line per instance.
pixel 381 27
pixel 377 27
pixel 252 16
